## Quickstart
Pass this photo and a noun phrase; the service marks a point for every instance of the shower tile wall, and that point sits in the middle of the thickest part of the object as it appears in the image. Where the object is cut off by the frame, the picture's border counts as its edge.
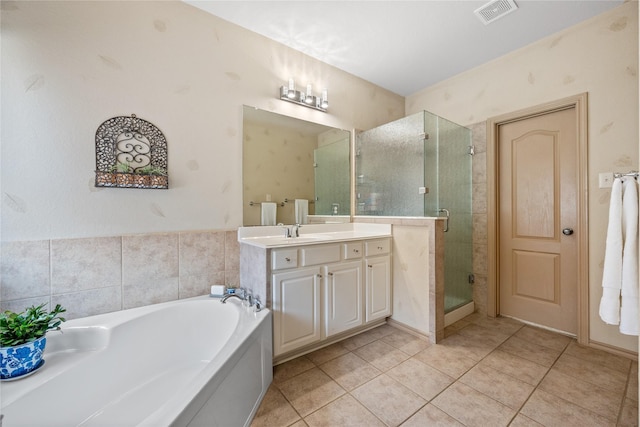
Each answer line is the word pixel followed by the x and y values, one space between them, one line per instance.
pixel 103 274
pixel 479 216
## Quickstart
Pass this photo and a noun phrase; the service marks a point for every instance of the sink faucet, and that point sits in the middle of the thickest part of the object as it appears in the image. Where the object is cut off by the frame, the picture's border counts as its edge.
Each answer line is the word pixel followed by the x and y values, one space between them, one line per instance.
pixel 287 232
pixel 296 230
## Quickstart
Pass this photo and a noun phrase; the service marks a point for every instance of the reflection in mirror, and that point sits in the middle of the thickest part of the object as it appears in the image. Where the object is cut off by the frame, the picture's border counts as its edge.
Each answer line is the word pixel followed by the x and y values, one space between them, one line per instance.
pixel 300 166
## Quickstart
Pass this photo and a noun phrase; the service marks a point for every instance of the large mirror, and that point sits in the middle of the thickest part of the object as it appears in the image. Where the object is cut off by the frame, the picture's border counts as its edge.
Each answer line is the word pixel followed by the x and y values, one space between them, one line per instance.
pixel 301 167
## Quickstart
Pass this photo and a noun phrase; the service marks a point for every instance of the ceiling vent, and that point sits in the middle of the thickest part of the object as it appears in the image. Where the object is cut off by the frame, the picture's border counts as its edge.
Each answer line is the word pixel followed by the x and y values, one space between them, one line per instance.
pixel 495 10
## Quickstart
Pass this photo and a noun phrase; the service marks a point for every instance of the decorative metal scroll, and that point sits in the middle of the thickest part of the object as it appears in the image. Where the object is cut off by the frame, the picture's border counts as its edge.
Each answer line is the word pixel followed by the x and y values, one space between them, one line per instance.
pixel 130 153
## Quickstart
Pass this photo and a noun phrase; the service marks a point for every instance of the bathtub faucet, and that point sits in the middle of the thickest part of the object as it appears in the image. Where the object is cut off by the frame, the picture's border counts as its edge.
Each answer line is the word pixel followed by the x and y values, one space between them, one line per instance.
pixel 246 298
pixel 226 297
pixel 240 293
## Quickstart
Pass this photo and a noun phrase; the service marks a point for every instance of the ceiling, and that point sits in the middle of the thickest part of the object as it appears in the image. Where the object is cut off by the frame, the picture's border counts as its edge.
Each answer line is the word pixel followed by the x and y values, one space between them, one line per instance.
pixel 403 46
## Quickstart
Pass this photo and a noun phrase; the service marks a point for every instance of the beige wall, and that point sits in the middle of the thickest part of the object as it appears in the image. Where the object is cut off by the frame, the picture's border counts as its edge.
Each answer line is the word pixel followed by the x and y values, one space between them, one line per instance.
pixel 69 66
pixel 599 56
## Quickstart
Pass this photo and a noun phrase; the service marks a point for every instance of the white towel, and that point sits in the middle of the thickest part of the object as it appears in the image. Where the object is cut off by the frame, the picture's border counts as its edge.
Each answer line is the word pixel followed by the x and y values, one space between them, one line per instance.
pixel 629 291
pixel 612 274
pixel 302 210
pixel 268 214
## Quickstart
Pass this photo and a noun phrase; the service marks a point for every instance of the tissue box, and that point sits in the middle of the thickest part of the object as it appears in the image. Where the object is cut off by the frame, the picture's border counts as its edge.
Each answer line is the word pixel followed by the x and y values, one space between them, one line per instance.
pixel 218 291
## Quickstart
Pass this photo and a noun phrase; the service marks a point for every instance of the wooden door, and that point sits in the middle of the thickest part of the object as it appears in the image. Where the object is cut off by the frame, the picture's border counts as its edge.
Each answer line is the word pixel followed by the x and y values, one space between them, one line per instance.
pixel 538 219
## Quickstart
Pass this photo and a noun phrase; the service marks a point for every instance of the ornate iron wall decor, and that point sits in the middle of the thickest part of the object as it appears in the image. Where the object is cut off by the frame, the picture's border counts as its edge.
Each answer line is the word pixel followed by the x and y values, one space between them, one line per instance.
pixel 130 153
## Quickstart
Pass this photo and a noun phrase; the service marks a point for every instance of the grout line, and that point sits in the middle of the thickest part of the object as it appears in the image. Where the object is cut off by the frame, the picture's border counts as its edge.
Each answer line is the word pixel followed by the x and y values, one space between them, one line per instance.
pixel 458 379
pixel 624 394
pixel 121 272
pixel 465 372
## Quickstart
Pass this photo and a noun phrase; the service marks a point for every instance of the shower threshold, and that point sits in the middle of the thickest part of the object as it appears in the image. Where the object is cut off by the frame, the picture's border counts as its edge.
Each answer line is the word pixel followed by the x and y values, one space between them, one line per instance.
pixel 459 313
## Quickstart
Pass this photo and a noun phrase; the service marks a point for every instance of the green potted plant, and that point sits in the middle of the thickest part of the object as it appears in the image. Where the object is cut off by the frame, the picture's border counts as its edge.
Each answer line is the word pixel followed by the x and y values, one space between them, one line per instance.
pixel 151 170
pixel 124 175
pixel 154 176
pixel 22 339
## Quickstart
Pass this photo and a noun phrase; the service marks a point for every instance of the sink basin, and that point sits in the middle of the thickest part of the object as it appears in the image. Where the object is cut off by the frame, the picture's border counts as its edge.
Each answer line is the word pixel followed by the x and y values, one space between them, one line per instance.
pixel 273 236
pixel 281 240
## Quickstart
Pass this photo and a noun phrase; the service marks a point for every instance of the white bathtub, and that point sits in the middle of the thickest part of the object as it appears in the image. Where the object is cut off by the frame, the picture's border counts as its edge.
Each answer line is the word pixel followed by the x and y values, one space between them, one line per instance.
pixel 189 362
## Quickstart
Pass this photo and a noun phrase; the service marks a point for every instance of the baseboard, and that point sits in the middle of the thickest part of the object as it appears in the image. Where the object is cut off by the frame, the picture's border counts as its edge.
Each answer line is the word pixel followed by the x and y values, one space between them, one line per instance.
pixel 408 329
pixel 614 350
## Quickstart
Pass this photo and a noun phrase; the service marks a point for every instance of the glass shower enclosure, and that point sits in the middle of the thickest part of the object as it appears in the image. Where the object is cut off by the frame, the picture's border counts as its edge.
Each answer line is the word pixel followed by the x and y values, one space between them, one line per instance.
pixel 420 166
pixel 332 179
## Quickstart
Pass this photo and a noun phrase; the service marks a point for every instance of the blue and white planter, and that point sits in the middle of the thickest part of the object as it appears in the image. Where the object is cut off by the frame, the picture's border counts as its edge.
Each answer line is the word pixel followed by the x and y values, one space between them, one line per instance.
pixel 21 360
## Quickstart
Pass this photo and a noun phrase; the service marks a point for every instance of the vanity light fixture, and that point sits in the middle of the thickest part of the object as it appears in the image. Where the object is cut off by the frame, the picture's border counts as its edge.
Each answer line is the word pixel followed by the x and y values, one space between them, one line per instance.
pixel 289 93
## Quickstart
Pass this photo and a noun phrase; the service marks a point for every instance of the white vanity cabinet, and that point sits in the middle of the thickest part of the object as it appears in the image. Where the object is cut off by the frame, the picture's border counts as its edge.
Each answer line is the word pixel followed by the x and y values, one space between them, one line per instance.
pixel 320 291
pixel 343 297
pixel 296 309
pixel 378 279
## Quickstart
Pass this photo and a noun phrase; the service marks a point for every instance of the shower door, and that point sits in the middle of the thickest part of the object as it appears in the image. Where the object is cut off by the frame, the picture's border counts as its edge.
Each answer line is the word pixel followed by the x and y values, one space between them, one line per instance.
pixel 453 199
pixel 331 174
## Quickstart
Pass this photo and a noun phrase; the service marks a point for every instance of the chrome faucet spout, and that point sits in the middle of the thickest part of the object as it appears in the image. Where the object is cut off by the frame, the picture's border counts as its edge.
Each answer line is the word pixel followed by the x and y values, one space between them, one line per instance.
pixel 226 297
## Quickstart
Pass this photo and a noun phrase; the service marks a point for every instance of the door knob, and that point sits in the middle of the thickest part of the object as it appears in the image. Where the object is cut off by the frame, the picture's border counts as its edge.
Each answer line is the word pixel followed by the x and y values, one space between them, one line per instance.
pixel 567 231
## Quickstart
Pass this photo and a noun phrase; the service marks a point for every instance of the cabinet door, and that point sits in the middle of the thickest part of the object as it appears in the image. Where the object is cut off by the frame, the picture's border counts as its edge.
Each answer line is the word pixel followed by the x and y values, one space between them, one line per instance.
pixel 296 309
pixel 343 297
pixel 378 288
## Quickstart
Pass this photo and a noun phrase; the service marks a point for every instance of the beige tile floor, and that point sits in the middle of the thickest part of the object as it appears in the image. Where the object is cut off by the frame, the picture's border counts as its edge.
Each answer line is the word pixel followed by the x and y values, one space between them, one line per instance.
pixel 487 372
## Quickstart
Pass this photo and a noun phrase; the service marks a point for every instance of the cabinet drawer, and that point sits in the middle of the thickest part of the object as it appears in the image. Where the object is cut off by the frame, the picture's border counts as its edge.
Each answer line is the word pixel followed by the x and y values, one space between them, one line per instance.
pixel 352 250
pixel 314 255
pixel 377 247
pixel 284 258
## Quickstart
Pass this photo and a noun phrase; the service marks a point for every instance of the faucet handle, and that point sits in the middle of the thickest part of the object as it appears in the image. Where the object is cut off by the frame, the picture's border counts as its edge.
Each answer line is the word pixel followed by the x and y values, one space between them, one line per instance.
pixel 257 304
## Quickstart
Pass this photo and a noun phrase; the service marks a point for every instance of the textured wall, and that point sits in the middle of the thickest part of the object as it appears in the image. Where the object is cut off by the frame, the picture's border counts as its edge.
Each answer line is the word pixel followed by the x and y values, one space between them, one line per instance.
pixel 69 66
pixel 598 56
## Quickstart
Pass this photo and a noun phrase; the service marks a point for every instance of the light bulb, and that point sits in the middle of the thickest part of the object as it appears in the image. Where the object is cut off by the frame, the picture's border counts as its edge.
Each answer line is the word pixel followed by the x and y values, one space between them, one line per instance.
pixel 309 98
pixel 291 93
pixel 325 99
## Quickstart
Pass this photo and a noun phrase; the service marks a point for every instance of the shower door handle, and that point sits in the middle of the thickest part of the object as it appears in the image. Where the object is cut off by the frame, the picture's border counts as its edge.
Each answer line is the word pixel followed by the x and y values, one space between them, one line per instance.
pixel 446 220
